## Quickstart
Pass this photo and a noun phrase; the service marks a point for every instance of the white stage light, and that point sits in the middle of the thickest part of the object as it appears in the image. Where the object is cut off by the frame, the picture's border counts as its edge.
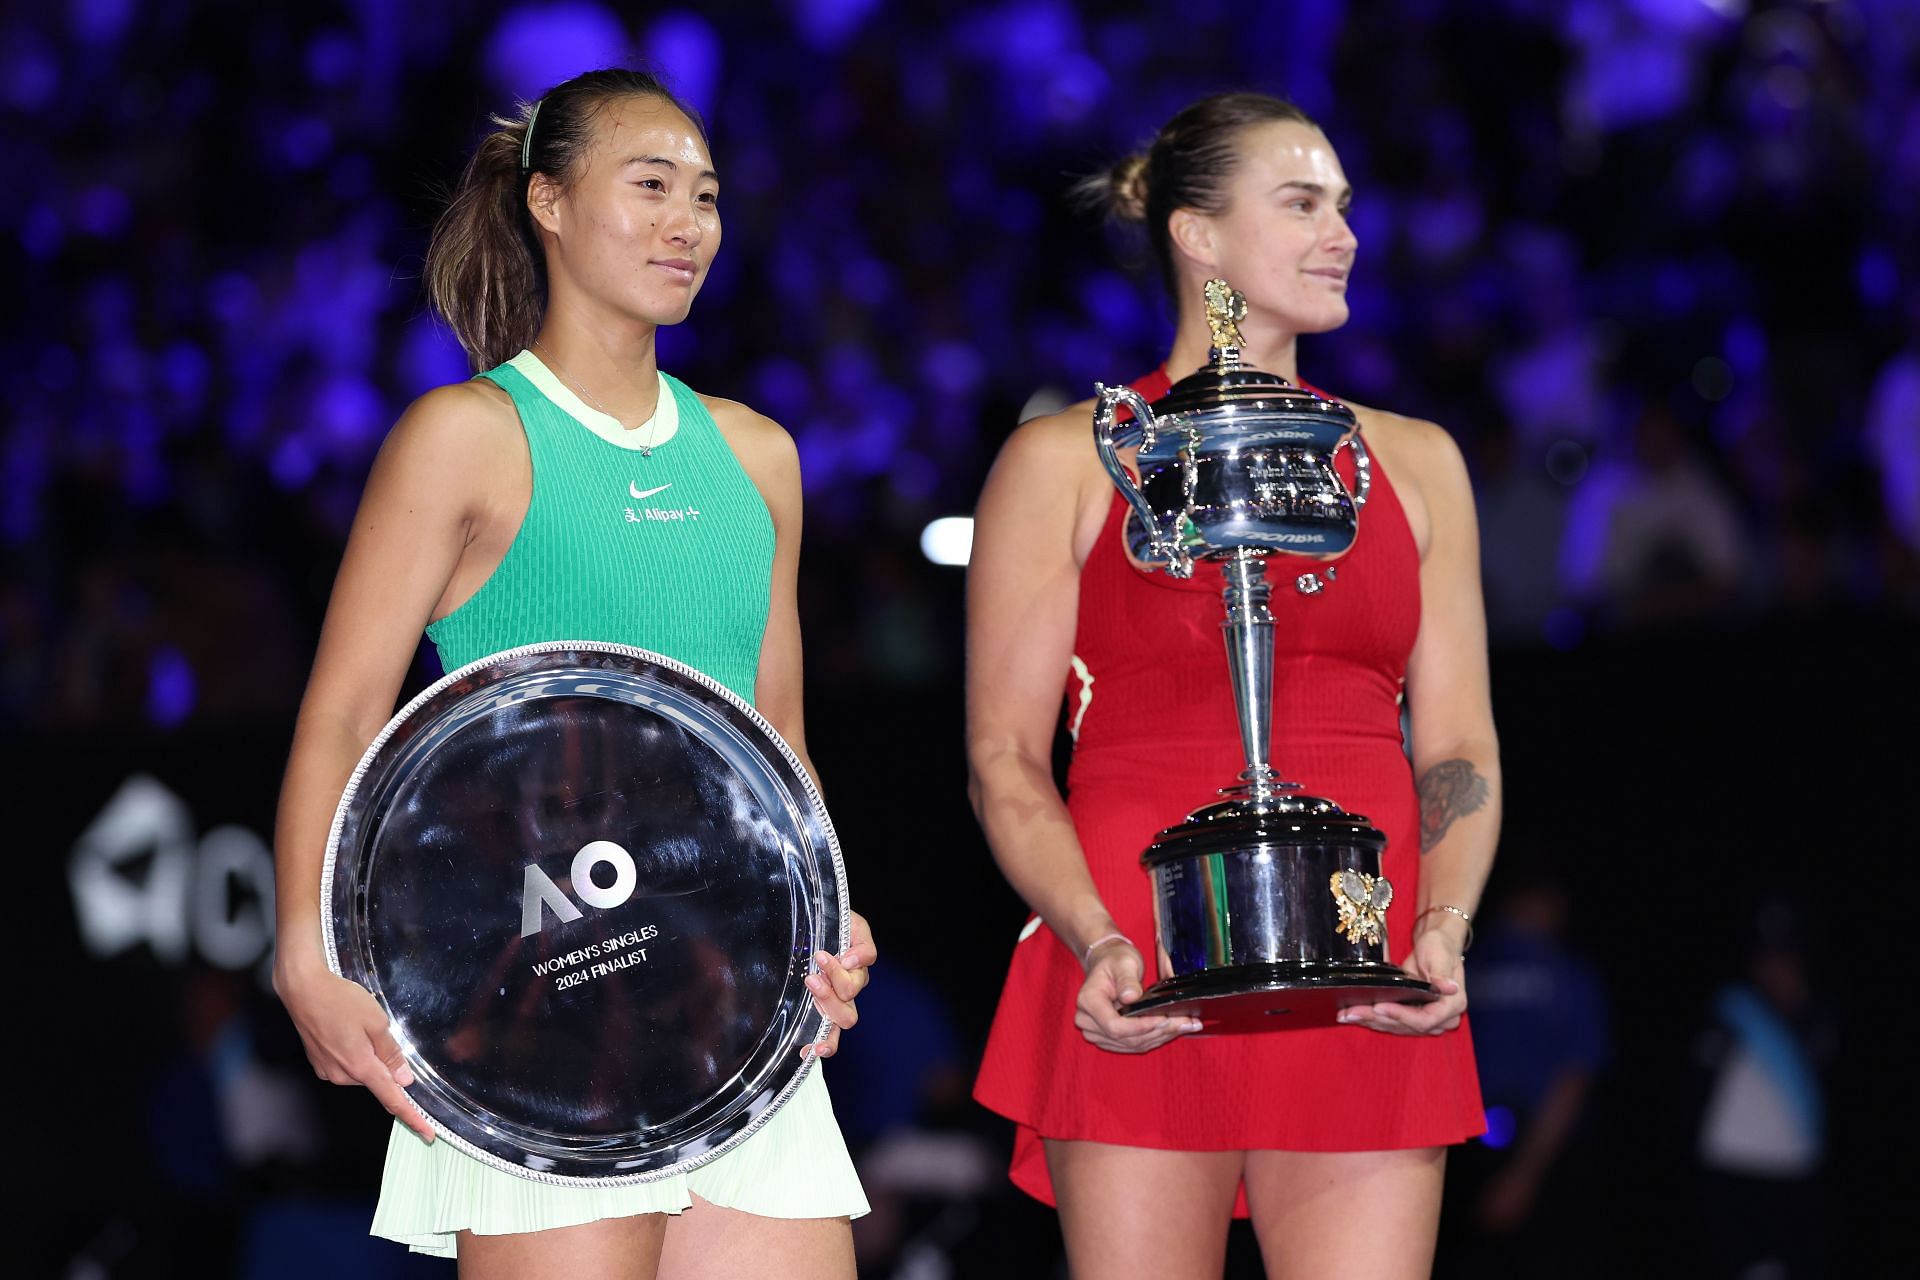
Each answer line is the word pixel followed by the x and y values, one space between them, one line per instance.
pixel 948 540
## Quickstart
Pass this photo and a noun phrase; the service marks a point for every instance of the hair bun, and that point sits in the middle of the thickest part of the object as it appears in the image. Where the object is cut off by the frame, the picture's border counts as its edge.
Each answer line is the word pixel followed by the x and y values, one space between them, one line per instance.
pixel 1127 189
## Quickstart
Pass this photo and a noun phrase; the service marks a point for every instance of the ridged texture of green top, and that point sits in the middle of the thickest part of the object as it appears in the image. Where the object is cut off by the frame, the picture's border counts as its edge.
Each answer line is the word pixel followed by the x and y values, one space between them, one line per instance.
pixel 684 571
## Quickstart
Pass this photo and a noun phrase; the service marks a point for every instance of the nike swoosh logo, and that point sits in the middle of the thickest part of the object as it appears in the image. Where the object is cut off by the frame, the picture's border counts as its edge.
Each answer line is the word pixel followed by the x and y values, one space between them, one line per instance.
pixel 638 492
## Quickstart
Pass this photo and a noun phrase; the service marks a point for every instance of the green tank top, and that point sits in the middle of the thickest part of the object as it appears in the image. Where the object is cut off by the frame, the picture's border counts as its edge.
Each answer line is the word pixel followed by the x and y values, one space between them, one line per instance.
pixel 670 551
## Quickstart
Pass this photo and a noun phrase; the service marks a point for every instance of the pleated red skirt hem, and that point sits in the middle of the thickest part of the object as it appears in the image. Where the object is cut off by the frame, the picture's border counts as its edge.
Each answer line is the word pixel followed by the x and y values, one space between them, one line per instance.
pixel 1331 1089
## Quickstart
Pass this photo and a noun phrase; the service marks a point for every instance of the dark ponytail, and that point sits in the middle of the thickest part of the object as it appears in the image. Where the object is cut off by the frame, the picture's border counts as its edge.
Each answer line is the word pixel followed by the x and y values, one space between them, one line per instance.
pixel 1186 166
pixel 486 272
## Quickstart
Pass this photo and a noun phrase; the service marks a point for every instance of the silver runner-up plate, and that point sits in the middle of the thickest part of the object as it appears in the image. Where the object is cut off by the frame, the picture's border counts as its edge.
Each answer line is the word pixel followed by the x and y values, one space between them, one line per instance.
pixel 586 882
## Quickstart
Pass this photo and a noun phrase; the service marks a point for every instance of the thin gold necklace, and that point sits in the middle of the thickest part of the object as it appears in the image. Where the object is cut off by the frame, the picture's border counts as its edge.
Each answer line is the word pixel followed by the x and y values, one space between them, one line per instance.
pixel 653 423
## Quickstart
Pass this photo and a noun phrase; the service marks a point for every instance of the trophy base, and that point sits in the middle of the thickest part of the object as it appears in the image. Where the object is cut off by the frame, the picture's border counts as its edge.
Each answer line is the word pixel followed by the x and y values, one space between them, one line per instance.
pixel 1278 997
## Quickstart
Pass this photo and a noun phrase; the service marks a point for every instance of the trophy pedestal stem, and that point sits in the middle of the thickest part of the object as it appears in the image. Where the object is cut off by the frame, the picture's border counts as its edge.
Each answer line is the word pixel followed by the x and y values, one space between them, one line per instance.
pixel 1248 629
pixel 1256 792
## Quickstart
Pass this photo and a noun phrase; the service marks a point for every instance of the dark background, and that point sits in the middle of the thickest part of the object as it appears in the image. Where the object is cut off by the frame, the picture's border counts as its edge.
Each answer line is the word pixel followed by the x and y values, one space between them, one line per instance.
pixel 1652 263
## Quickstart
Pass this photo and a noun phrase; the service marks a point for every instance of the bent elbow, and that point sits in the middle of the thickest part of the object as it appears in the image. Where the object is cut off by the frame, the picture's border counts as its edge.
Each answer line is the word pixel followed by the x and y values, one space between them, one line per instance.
pixel 991 768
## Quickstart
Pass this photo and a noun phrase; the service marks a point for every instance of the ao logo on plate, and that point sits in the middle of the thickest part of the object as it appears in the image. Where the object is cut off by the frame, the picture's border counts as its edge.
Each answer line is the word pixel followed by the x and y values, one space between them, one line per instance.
pixel 539 888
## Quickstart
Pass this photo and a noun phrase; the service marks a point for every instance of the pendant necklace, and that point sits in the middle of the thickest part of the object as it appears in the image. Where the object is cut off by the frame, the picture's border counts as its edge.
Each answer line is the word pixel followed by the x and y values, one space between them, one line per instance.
pixel 653 423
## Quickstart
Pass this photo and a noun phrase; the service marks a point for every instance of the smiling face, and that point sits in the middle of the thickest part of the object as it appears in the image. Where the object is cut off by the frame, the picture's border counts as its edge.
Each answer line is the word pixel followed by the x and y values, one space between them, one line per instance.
pixel 637 227
pixel 1282 238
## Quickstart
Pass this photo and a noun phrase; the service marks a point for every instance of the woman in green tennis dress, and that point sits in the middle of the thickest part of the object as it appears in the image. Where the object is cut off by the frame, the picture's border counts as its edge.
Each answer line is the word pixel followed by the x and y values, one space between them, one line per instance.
pixel 572 491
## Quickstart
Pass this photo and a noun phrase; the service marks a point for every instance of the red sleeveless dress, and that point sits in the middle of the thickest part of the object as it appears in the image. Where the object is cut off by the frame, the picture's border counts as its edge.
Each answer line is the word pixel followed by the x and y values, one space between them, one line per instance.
pixel 1151 709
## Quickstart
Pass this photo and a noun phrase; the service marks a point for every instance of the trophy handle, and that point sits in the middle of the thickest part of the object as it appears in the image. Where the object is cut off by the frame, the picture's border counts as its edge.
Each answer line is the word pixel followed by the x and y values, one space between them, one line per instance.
pixel 1362 468
pixel 1109 437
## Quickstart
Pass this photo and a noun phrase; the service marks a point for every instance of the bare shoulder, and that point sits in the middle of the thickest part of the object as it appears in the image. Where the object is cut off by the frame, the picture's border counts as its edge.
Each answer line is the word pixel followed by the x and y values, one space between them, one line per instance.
pixel 1428 472
pixel 1416 437
pixel 765 448
pixel 1062 440
pixel 459 428
pixel 748 429
pixel 1414 449
pixel 1048 483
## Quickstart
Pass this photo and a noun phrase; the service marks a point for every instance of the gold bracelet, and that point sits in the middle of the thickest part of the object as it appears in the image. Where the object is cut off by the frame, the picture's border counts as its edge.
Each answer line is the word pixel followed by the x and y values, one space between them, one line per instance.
pixel 1456 911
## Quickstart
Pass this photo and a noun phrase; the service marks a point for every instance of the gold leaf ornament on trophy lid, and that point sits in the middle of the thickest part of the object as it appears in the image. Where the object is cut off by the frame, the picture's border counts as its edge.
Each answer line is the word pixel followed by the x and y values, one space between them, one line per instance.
pixel 1362 901
pixel 1226 308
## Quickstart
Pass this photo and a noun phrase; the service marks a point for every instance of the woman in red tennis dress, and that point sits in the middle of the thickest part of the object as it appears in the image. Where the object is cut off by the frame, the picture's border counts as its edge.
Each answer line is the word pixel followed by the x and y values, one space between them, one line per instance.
pixel 1149 1138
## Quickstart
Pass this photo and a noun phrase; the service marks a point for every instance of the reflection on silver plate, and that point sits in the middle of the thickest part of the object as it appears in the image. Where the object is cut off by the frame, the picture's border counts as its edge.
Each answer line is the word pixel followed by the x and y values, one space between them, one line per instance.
pixel 586 883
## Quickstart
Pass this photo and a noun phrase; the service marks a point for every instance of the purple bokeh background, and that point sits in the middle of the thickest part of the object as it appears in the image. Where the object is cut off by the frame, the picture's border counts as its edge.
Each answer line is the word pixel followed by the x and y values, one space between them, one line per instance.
pixel 1644 260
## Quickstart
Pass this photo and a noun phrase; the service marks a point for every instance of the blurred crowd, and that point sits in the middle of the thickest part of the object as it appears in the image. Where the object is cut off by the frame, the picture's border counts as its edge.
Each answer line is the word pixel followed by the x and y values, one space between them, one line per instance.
pixel 1640 256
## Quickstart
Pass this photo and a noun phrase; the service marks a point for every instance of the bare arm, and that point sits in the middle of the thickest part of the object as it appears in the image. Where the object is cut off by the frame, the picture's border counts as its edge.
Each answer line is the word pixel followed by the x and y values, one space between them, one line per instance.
pixel 413 524
pixel 1456 754
pixel 777 691
pixel 1023 589
pixel 773 463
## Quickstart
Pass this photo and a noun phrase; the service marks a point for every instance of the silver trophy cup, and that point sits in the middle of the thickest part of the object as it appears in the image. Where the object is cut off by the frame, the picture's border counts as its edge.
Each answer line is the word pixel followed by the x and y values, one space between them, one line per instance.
pixel 1269 903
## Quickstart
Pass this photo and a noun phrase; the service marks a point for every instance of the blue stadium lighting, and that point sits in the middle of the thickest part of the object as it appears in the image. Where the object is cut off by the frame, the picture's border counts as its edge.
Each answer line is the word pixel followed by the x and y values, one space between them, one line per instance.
pixel 1500 1127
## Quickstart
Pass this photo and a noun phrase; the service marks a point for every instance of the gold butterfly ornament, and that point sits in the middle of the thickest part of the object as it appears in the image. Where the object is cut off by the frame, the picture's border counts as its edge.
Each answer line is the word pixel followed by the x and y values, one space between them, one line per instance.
pixel 1362 900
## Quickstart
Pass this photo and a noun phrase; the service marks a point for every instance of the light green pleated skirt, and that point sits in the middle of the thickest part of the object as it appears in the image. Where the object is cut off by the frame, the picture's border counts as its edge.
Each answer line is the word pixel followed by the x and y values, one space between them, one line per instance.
pixel 794 1166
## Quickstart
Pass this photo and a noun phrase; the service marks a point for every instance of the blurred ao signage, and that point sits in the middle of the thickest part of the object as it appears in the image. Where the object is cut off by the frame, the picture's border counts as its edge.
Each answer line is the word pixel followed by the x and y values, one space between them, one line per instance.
pixel 141 877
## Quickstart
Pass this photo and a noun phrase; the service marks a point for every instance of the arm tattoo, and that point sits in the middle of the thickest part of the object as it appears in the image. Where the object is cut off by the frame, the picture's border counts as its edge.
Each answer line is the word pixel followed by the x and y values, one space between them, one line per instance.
pixel 1451 789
